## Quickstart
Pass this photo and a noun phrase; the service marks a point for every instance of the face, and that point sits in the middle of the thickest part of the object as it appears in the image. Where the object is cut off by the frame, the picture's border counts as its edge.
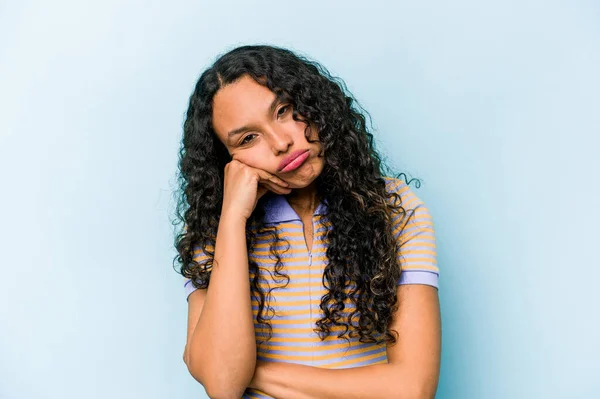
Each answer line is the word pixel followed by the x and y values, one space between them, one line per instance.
pixel 259 130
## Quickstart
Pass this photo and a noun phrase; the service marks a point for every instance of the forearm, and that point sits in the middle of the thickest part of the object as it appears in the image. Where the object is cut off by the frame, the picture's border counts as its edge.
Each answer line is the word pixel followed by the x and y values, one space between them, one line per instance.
pixel 223 345
pixel 296 381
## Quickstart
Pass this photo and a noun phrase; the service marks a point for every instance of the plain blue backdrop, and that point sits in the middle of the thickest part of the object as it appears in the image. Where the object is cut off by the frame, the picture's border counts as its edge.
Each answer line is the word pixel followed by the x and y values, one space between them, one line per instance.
pixel 493 105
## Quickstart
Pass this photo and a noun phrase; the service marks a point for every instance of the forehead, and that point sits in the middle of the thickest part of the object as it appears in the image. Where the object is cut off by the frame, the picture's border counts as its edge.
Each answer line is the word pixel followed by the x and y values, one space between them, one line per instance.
pixel 240 103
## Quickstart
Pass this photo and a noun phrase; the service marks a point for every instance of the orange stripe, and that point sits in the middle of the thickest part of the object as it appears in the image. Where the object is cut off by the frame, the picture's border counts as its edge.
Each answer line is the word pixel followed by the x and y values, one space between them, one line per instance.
pixel 316 356
pixel 342 345
pixel 354 361
pixel 421 267
pixel 303 330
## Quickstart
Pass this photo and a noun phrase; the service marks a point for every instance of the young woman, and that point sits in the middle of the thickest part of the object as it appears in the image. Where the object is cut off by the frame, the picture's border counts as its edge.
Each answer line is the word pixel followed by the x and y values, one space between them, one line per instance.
pixel 309 272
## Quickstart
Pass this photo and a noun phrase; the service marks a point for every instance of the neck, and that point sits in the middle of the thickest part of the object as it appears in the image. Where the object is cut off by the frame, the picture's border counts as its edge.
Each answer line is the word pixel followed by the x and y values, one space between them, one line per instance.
pixel 304 200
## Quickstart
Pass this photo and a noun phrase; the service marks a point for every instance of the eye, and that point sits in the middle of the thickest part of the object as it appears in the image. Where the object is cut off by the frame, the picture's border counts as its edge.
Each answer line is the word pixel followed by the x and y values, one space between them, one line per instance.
pixel 284 109
pixel 245 137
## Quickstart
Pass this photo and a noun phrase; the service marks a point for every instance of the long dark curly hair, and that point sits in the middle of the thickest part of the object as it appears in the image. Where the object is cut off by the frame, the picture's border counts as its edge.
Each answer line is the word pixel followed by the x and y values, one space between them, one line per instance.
pixel 359 207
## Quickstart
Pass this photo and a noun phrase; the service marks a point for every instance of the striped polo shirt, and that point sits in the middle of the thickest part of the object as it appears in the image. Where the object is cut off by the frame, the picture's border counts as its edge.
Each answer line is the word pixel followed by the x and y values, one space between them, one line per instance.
pixel 296 306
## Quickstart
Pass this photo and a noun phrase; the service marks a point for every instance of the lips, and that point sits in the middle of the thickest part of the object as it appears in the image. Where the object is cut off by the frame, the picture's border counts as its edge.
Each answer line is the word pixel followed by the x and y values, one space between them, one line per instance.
pixel 290 158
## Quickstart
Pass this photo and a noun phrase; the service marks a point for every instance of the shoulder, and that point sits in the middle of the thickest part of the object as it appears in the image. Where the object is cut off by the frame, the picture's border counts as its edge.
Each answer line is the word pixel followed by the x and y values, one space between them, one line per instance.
pixel 409 199
pixel 414 215
pixel 414 231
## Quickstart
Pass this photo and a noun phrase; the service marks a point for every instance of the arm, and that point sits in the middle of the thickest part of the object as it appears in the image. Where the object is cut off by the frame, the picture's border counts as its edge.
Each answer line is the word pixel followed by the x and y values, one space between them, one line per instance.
pixel 221 349
pixel 413 365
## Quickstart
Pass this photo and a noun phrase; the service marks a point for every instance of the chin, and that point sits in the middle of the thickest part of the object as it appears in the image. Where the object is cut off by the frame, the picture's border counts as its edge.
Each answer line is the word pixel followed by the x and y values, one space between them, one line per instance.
pixel 303 176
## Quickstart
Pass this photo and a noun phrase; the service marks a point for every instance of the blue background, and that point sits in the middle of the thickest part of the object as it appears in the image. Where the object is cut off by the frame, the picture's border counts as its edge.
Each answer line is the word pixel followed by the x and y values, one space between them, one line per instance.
pixel 493 106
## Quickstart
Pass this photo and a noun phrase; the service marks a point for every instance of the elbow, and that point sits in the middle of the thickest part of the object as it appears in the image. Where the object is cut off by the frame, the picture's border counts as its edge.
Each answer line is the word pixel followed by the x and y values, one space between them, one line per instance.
pixel 218 384
pixel 415 390
pixel 423 391
pixel 224 394
pixel 224 390
pixel 423 385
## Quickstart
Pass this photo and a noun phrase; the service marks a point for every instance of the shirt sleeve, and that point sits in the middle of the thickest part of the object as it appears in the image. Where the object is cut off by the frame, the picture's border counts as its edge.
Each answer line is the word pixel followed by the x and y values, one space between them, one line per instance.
pixel 189 288
pixel 415 234
pixel 201 257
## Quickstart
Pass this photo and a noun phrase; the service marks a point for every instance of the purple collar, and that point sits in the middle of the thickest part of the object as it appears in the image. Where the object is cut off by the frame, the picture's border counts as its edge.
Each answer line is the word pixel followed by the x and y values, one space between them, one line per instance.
pixel 278 209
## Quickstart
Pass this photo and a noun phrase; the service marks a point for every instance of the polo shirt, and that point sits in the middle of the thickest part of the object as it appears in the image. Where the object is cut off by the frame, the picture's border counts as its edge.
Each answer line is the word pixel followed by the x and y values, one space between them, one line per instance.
pixel 296 306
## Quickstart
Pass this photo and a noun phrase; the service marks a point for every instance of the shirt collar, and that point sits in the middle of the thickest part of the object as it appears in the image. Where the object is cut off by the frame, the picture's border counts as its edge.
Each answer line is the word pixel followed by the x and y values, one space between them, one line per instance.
pixel 278 209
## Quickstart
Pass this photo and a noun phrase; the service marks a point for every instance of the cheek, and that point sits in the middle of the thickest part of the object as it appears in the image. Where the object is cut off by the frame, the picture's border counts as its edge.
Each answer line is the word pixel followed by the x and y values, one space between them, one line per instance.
pixel 249 158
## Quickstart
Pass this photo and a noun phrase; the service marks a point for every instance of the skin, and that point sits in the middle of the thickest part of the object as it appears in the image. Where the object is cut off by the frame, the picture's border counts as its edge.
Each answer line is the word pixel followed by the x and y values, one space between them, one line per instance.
pixel 274 134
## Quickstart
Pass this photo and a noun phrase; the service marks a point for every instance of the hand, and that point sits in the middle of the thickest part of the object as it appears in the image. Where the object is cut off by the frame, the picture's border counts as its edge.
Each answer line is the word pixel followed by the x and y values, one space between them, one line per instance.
pixel 244 185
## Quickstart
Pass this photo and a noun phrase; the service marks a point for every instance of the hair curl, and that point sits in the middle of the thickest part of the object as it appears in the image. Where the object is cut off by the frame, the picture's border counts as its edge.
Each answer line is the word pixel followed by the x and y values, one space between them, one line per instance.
pixel 358 204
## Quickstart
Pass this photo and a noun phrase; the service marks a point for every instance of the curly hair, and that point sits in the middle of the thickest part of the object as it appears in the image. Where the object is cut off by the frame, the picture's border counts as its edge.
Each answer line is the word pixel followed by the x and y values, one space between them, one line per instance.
pixel 359 207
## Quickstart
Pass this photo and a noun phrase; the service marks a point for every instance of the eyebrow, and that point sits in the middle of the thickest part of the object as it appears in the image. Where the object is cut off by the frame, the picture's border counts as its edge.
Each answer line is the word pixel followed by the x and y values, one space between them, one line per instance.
pixel 245 128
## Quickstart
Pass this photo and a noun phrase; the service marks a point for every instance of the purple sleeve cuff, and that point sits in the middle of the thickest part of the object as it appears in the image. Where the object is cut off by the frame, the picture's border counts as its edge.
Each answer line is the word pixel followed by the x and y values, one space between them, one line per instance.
pixel 419 277
pixel 189 288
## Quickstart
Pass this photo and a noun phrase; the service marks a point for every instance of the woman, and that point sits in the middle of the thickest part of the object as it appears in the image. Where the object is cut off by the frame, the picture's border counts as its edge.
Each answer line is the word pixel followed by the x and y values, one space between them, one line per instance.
pixel 309 272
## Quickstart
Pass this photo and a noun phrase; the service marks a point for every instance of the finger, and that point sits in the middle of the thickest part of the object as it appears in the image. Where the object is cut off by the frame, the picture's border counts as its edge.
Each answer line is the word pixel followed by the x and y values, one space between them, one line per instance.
pixel 276 188
pixel 266 176
pixel 279 181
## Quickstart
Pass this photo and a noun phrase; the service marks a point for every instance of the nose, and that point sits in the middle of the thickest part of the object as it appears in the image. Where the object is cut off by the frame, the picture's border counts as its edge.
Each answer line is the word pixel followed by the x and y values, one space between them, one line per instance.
pixel 281 141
